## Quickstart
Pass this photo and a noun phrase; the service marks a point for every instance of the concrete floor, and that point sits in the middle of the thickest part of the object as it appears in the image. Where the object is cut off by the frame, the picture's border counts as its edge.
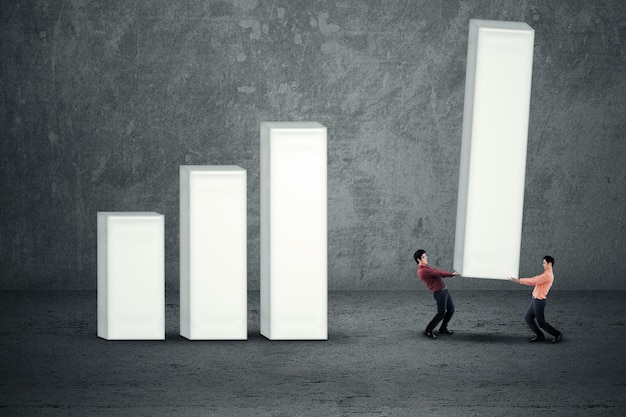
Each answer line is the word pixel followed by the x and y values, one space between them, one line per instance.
pixel 375 363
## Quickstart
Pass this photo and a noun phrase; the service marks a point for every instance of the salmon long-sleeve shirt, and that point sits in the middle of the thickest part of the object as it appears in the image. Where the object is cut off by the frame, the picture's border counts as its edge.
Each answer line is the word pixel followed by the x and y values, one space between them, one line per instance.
pixel 542 284
pixel 433 278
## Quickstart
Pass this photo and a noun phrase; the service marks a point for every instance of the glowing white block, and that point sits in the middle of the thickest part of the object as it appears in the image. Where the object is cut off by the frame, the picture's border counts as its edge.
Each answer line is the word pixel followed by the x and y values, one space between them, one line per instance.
pixel 294 276
pixel 131 276
pixel 213 253
pixel 493 150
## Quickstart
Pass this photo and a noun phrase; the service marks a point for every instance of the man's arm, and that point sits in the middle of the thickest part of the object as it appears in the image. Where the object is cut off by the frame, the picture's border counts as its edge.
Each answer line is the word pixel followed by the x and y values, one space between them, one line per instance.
pixel 536 280
pixel 433 272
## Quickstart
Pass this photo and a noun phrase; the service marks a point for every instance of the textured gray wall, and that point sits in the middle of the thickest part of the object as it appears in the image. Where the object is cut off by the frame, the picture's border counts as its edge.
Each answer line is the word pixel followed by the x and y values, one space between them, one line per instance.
pixel 102 101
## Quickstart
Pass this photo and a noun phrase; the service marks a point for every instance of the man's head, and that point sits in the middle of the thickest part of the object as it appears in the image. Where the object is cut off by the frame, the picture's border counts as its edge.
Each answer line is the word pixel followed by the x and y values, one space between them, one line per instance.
pixel 548 260
pixel 420 257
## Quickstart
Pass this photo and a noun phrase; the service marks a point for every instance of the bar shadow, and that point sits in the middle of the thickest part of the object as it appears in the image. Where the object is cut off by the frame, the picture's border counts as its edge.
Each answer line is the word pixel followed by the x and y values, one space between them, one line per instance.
pixel 256 335
pixel 176 337
pixel 483 337
pixel 253 335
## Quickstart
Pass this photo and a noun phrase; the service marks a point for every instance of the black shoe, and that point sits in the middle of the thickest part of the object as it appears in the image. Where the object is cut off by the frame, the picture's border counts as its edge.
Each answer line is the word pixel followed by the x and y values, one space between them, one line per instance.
pixel 557 338
pixel 537 339
pixel 445 331
pixel 430 334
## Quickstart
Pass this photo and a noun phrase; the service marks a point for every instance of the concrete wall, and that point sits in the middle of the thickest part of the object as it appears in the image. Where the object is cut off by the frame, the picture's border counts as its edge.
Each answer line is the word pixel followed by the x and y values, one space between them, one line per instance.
pixel 102 101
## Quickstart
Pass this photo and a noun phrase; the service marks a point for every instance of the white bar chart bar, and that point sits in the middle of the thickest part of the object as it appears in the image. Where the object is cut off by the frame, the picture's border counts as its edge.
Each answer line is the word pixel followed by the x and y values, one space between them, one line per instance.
pixel 493 150
pixel 213 253
pixel 131 276
pixel 294 276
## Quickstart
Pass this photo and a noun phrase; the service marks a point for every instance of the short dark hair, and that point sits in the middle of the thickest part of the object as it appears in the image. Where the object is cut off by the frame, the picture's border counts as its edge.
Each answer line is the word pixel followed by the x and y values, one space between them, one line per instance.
pixel 549 259
pixel 418 255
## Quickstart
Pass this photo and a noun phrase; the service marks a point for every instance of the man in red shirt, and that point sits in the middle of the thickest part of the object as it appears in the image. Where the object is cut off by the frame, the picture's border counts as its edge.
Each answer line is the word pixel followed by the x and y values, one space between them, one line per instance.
pixel 537 306
pixel 433 278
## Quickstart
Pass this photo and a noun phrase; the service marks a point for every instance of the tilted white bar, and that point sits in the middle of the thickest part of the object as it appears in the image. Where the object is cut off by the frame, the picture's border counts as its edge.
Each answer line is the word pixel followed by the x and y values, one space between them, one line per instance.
pixel 493 150
pixel 213 253
pixel 294 277
pixel 131 276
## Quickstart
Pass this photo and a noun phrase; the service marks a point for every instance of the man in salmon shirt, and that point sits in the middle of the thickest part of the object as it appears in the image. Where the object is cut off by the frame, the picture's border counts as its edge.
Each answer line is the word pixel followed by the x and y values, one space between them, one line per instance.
pixel 537 306
pixel 433 278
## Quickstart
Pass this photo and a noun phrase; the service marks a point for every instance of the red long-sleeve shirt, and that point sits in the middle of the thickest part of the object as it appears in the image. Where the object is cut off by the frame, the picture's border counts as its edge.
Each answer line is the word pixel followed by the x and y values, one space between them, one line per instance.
pixel 433 278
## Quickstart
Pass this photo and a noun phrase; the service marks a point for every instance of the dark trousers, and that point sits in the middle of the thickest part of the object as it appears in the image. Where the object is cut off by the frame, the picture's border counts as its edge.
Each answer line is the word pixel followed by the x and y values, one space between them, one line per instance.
pixel 445 310
pixel 536 311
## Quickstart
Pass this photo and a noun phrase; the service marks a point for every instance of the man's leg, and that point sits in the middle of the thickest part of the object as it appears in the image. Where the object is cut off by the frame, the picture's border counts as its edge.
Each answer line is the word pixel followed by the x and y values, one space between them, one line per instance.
pixel 449 313
pixel 530 320
pixel 440 297
pixel 540 313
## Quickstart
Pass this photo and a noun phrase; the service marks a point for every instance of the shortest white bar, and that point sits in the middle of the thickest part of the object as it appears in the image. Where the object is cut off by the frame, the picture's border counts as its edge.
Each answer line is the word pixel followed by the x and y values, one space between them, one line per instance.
pixel 213 253
pixel 131 276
